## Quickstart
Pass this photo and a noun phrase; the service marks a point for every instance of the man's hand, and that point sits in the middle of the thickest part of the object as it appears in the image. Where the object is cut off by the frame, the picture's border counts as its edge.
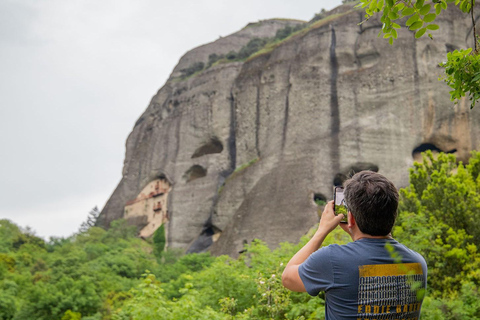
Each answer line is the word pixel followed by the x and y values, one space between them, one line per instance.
pixel 329 220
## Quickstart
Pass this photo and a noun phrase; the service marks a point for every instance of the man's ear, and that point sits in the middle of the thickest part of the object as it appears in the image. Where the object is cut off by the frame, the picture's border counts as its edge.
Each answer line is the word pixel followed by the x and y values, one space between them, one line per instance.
pixel 351 220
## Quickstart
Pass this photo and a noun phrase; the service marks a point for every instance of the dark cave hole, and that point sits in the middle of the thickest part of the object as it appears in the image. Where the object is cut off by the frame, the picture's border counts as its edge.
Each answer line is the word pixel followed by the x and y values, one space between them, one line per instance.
pixel 424 147
pixel 339 179
pixel 319 199
pixel 212 146
pixel 195 172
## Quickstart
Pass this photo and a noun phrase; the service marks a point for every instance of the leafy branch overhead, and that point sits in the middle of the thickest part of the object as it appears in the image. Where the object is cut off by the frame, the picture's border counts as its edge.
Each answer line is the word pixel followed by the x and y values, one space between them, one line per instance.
pixel 462 68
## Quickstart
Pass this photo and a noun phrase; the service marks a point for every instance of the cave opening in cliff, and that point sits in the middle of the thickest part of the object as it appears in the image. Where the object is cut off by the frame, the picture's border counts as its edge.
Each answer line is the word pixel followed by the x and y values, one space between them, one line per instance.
pixel 195 172
pixel 417 152
pixel 338 179
pixel 212 146
pixel 319 199
pixel 424 147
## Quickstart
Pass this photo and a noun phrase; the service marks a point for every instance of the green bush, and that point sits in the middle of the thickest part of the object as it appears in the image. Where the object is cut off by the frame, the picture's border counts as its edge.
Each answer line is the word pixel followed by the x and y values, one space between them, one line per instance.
pixel 194 68
pixel 437 217
pixel 251 47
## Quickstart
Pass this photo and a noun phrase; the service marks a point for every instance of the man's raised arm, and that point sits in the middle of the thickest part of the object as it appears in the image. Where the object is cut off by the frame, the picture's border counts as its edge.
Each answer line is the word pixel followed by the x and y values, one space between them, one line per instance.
pixel 329 221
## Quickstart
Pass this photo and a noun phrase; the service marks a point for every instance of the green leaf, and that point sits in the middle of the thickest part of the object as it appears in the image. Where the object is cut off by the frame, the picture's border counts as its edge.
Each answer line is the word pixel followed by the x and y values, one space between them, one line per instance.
pixel 438 9
pixel 390 3
pixel 432 27
pixel 429 17
pixel 392 15
pixel 400 6
pixel 443 4
pixel 380 5
pixel 407 11
pixel 411 20
pixel 419 4
pixel 420 33
pixel 396 26
pixel 394 33
pixel 390 41
pixel 425 9
pixel 416 25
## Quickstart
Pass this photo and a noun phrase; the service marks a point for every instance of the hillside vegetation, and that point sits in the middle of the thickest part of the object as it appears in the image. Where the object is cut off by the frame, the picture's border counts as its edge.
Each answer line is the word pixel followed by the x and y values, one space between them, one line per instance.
pixel 100 274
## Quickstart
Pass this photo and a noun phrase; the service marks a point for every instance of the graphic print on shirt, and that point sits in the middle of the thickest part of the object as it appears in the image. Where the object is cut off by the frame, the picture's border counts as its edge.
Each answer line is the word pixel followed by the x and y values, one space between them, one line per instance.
pixel 389 291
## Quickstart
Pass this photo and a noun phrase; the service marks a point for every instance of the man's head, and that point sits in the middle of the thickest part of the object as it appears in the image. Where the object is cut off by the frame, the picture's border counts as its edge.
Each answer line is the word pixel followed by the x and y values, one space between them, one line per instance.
pixel 373 201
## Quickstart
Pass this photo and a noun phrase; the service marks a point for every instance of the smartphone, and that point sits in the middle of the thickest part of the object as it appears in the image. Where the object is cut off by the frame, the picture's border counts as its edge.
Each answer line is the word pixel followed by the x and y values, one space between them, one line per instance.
pixel 339 203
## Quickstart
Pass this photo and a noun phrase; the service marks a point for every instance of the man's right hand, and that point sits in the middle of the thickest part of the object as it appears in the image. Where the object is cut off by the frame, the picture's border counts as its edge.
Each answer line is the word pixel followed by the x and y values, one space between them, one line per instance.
pixel 329 220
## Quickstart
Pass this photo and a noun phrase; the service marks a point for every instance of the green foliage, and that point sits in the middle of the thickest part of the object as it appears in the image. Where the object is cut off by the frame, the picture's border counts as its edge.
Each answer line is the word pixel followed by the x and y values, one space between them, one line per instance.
pixel 159 241
pixel 437 217
pixel 251 47
pixel 286 31
pixel 101 274
pixel 462 74
pixel 419 14
pixel 70 315
pixel 214 58
pixel 194 68
pixel 462 68
pixel 246 165
pixel 319 16
pixel 68 278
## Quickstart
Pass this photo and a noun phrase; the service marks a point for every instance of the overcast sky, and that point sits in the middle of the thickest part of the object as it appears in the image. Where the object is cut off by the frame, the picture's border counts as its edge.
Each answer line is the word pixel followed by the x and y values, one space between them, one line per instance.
pixel 75 75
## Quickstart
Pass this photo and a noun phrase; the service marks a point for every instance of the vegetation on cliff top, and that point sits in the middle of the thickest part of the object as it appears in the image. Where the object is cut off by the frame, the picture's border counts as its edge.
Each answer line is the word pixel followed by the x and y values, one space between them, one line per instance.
pixel 259 46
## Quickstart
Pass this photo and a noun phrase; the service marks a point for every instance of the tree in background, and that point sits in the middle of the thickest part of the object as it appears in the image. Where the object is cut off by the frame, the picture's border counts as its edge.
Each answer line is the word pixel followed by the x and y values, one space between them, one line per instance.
pixel 91 220
pixel 438 217
pixel 462 68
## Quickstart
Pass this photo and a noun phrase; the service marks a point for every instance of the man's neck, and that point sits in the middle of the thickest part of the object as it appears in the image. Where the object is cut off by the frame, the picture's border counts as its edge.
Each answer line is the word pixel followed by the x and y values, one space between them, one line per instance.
pixel 361 235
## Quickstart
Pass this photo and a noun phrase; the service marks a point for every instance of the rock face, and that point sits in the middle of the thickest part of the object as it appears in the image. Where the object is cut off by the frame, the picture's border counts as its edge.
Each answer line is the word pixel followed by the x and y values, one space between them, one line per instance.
pixel 248 146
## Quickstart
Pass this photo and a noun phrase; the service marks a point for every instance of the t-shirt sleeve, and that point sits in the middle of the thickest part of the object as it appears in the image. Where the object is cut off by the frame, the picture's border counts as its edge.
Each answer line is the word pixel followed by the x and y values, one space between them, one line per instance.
pixel 317 272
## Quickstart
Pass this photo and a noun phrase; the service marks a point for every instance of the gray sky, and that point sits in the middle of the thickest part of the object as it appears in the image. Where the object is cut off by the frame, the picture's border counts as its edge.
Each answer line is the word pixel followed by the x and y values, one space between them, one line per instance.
pixel 75 75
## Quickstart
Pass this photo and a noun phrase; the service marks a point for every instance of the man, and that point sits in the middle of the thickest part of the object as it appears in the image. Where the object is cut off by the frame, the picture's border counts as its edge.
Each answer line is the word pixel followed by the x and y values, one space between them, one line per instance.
pixel 373 277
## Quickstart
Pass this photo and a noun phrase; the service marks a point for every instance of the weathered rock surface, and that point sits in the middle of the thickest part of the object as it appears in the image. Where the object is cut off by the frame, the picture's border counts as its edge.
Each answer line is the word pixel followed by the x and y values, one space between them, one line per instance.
pixel 296 119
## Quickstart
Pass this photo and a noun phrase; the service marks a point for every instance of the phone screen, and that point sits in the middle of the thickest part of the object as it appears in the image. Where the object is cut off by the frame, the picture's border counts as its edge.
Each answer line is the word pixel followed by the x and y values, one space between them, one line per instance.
pixel 339 203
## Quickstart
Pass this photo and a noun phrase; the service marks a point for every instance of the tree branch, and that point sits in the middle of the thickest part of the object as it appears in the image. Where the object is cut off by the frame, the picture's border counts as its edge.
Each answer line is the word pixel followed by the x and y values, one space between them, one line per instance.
pixel 474 29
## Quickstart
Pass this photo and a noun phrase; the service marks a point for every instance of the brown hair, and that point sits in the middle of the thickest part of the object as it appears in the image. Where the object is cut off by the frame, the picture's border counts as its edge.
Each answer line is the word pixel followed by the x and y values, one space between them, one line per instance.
pixel 373 201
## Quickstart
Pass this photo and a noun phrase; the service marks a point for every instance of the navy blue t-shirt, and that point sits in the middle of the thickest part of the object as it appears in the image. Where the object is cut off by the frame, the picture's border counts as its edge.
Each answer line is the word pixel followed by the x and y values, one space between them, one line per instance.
pixel 367 279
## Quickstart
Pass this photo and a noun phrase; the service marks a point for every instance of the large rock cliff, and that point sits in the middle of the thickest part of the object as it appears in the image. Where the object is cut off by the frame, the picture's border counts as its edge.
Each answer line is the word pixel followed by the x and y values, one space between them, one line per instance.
pixel 248 145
